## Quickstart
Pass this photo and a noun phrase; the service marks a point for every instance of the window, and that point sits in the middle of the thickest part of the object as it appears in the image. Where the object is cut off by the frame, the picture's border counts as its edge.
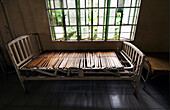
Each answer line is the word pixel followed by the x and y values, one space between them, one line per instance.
pixel 103 20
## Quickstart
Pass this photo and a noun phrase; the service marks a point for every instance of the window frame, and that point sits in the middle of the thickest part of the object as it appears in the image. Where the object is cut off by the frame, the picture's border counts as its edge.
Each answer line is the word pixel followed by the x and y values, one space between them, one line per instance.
pixel 106 25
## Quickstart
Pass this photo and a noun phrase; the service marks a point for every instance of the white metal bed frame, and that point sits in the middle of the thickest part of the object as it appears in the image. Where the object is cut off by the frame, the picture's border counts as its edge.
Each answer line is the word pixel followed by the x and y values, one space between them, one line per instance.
pixel 24 48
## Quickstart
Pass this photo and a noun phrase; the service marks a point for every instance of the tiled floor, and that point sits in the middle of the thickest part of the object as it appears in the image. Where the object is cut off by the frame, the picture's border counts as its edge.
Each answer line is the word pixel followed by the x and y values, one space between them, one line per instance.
pixel 83 95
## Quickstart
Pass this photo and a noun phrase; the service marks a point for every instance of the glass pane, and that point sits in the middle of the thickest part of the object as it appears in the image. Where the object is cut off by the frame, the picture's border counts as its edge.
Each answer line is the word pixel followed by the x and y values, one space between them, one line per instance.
pixel 127 3
pixel 113 29
pixel 64 4
pixel 95 3
pixel 59 32
pixel 113 32
pixel 134 3
pixel 97 32
pixel 136 16
pixel 85 32
pixel 71 32
pixel 134 29
pixel 130 20
pixel 72 14
pixel 113 3
pixel 85 36
pixel 111 36
pixel 133 32
pixel 58 4
pixel 82 16
pixel 131 15
pixel 132 11
pixel 88 3
pixel 71 3
pixel 54 18
pixel 125 35
pixel 82 3
pixel 89 15
pixel 59 36
pixel 52 4
pixel 101 18
pixel 48 4
pixel 99 29
pixel 59 16
pixel 112 16
pixel 118 18
pixel 53 33
pixel 101 3
pixel 50 17
pixel 95 16
pixel 126 28
pixel 100 32
pixel 66 13
pixel 138 3
pixel 120 4
pixel 125 15
pixel 84 29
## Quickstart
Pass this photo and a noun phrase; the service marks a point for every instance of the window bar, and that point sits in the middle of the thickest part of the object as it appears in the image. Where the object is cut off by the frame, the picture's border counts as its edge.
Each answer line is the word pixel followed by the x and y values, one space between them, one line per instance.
pixel 55 13
pixel 107 19
pixel 55 19
pixel 116 11
pixel 49 13
pixel 121 21
pixel 133 20
pixel 93 8
pixel 63 19
pixel 104 18
pixel 130 11
pixel 103 25
pixel 68 12
pixel 51 22
pixel 77 21
pixel 85 12
pixel 91 20
pixel 52 14
pixel 98 14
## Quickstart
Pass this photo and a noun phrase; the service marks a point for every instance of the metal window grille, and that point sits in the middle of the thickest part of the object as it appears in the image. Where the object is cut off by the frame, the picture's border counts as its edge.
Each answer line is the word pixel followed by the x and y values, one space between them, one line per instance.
pixel 92 20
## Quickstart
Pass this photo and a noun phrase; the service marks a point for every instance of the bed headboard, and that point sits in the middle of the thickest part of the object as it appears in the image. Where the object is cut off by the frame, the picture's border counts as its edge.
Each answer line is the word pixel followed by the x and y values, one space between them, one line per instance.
pixel 134 55
pixel 24 48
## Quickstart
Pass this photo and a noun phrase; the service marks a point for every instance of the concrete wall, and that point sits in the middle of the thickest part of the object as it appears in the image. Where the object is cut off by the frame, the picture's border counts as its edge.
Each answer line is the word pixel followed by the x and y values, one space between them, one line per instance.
pixel 153 27
pixel 29 16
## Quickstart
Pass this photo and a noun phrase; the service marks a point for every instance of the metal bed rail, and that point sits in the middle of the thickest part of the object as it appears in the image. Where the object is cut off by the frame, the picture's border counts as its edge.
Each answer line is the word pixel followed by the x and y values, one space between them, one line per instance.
pixel 23 49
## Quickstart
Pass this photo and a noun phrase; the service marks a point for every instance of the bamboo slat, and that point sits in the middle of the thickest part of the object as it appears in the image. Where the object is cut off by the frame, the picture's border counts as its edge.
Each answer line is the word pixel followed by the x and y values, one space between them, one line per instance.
pixel 52 60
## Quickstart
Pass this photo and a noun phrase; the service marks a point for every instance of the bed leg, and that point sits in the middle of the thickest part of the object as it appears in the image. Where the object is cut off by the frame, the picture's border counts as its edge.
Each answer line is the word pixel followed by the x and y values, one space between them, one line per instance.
pixel 81 73
pixel 21 81
pixel 137 85
pixel 146 80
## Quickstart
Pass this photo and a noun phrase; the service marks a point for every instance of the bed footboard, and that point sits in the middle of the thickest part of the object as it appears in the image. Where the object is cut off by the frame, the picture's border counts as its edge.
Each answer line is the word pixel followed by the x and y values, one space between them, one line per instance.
pixel 23 49
pixel 136 58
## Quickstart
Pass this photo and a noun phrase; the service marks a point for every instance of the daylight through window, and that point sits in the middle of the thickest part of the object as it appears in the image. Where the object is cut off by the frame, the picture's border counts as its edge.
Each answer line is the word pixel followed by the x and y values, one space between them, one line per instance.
pixel 104 20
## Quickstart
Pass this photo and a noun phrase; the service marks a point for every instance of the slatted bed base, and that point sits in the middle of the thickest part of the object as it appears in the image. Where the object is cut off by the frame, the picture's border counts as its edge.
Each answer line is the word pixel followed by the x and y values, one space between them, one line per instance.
pixel 33 64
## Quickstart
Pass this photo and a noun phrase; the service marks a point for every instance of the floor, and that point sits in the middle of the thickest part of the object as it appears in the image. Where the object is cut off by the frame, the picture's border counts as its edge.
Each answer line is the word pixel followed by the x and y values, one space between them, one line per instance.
pixel 83 95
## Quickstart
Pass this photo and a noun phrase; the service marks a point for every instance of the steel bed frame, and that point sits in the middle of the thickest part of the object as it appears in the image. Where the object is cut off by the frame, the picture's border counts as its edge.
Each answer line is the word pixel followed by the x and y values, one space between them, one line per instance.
pixel 24 48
